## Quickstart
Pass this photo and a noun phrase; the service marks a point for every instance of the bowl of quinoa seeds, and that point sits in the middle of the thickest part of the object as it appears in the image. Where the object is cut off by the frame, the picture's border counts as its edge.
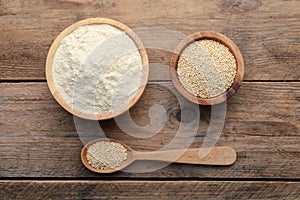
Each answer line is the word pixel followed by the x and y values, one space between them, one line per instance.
pixel 201 63
pixel 106 155
pixel 207 68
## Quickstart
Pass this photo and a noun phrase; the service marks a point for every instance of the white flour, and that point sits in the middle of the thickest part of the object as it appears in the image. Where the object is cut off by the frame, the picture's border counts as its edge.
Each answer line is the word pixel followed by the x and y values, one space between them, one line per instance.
pixel 97 68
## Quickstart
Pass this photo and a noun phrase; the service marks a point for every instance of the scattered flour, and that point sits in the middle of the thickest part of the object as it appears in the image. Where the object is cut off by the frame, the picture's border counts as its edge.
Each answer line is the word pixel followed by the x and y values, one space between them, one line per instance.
pixel 97 68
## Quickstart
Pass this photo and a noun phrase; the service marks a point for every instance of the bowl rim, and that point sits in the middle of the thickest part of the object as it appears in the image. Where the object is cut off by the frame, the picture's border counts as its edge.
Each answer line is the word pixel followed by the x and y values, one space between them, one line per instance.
pixel 121 109
pixel 223 40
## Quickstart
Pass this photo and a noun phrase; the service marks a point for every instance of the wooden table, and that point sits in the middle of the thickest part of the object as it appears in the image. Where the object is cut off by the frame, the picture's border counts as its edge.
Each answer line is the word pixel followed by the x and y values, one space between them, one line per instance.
pixel 39 144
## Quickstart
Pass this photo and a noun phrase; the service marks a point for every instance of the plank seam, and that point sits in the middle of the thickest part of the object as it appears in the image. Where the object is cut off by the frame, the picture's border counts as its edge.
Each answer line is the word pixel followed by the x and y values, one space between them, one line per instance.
pixel 150 179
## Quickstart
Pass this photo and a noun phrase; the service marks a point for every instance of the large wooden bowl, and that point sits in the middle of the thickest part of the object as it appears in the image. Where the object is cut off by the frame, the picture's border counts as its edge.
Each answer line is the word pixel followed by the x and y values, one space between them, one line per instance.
pixel 233 49
pixel 118 111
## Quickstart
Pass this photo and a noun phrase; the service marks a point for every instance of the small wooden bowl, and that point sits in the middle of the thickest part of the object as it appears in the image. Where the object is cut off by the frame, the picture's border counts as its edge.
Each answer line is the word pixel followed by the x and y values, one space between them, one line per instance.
pixel 56 43
pixel 223 40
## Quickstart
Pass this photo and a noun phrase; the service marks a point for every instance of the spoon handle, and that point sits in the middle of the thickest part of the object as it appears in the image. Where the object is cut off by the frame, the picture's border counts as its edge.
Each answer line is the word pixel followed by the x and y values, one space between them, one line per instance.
pixel 216 156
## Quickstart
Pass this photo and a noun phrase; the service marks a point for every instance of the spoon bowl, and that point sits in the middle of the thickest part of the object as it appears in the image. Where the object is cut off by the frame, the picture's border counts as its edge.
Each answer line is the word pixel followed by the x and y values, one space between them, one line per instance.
pixel 127 162
pixel 221 156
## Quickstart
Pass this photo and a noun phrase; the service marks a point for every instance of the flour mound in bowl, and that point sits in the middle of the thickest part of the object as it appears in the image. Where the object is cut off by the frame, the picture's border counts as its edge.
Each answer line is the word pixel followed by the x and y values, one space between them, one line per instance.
pixel 97 69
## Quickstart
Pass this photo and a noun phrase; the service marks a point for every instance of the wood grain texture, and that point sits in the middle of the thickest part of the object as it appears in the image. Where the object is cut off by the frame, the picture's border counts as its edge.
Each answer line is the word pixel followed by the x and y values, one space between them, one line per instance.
pixel 148 190
pixel 266 32
pixel 38 138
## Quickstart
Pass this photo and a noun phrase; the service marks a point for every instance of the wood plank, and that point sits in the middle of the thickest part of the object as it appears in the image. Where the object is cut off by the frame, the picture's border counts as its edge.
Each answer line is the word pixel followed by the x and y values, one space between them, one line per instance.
pixel 148 190
pixel 267 32
pixel 38 138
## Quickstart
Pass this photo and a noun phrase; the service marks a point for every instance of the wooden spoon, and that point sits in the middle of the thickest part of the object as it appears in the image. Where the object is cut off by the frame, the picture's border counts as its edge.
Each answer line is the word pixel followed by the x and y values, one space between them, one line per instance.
pixel 217 156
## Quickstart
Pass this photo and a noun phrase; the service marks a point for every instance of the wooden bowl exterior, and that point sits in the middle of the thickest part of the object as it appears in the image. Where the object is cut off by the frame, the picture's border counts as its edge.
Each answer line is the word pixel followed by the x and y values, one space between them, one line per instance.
pixel 68 30
pixel 233 49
